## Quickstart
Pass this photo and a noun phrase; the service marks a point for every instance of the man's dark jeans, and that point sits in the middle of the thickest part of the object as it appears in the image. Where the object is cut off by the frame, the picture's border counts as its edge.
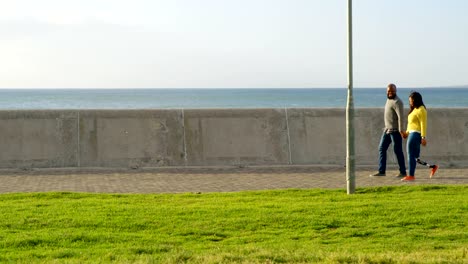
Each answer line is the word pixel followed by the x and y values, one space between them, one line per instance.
pixel 395 138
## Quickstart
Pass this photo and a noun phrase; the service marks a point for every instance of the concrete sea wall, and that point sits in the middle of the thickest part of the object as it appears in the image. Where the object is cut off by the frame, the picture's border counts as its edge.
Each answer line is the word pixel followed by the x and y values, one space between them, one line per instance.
pixel 211 137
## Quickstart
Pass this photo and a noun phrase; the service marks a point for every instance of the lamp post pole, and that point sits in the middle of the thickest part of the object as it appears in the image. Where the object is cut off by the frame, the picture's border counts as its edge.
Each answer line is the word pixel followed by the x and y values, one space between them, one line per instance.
pixel 350 158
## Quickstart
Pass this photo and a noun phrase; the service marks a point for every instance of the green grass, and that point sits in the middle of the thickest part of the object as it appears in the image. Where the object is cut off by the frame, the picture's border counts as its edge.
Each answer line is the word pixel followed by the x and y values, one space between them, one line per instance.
pixel 405 224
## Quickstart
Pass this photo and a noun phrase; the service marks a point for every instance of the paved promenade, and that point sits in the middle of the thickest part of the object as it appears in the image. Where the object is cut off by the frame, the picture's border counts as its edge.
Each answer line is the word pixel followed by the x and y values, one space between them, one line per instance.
pixel 195 180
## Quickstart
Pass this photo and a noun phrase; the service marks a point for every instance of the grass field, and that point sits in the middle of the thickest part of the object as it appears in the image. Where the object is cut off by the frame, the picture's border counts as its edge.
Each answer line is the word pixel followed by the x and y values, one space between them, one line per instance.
pixel 404 224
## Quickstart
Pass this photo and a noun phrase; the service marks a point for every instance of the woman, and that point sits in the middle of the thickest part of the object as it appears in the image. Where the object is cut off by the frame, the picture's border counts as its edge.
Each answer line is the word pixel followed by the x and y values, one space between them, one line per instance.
pixel 416 134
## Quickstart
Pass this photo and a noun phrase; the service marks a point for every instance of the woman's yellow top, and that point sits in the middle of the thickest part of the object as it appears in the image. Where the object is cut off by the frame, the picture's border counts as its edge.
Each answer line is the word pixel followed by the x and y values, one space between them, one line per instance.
pixel 417 121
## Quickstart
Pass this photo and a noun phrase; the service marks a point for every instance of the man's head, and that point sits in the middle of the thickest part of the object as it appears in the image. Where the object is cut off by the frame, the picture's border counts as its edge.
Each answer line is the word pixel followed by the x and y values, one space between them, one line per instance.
pixel 391 91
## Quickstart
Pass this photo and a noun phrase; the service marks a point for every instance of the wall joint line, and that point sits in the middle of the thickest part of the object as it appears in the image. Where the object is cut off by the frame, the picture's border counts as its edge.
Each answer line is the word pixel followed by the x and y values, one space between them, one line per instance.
pixel 185 139
pixel 78 155
pixel 289 137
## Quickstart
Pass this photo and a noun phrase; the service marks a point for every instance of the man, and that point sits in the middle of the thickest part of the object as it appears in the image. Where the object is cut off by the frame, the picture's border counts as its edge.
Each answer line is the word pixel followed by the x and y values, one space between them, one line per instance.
pixel 392 133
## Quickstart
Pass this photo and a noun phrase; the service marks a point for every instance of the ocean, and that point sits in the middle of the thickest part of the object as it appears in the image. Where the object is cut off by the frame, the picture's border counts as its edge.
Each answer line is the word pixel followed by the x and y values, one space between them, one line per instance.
pixel 14 99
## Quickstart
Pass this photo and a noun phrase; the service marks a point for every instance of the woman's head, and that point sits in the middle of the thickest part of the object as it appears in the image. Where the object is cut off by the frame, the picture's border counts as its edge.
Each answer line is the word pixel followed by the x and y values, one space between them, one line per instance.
pixel 415 100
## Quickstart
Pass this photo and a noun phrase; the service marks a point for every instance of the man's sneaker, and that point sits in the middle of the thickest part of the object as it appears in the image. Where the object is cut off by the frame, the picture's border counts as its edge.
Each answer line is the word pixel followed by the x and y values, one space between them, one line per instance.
pixel 433 170
pixel 408 178
pixel 400 175
pixel 378 174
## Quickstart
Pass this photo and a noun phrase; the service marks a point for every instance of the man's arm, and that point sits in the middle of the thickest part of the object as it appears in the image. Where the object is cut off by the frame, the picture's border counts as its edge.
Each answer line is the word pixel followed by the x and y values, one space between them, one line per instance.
pixel 399 112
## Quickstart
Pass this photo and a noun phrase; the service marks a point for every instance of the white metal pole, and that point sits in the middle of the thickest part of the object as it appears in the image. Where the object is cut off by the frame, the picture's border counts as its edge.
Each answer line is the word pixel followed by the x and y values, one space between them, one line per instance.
pixel 350 159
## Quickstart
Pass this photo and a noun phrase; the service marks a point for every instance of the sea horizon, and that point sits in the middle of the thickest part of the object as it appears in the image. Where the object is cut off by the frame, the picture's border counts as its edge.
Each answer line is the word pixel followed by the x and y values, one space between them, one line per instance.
pixel 171 98
pixel 223 88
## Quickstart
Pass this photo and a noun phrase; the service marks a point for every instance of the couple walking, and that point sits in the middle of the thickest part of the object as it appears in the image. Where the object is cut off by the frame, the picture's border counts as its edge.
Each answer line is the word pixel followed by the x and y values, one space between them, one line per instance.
pixel 394 132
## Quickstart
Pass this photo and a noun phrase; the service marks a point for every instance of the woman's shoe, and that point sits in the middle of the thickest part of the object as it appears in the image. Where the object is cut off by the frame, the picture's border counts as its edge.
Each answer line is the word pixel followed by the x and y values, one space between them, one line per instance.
pixel 408 178
pixel 433 170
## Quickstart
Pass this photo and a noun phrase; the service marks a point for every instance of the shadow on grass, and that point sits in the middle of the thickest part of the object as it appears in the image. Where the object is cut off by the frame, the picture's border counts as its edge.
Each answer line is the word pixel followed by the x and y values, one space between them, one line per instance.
pixel 400 189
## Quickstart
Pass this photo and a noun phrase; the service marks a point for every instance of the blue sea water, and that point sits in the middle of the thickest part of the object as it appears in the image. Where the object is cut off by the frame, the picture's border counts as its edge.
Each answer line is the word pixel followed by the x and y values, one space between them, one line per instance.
pixel 218 98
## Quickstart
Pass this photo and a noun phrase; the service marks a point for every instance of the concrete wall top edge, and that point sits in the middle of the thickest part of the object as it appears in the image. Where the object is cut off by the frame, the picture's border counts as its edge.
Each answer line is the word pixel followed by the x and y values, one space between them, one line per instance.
pixel 217 112
pixel 129 112
pixel 210 109
pixel 14 114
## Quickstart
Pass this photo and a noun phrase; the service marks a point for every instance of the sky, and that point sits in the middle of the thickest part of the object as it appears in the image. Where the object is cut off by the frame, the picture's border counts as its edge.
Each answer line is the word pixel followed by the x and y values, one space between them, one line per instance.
pixel 231 44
